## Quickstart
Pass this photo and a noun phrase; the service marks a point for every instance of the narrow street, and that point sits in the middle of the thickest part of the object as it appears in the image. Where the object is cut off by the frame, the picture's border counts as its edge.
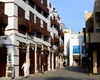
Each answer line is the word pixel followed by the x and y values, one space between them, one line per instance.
pixel 68 73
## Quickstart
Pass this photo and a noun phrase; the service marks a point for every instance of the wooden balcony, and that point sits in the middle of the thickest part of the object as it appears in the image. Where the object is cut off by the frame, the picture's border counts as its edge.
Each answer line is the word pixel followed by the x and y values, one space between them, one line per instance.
pixel 23 23
pixel 59 48
pixel 3 20
pixel 52 41
pixel 1 8
pixel 39 4
pixel 46 33
pixel 55 40
pixel 94 37
pixel 54 22
pixel 31 27
pixel 60 32
pixel 45 9
pixel 38 28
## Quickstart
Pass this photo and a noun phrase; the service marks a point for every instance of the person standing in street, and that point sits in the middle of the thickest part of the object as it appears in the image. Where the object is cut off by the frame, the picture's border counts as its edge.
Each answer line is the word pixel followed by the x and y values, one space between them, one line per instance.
pixel 25 69
pixel 13 71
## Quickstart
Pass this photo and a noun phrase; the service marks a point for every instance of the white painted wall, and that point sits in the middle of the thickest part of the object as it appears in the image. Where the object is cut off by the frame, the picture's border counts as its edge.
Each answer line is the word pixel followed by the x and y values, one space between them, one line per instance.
pixel 13 36
pixel 70 40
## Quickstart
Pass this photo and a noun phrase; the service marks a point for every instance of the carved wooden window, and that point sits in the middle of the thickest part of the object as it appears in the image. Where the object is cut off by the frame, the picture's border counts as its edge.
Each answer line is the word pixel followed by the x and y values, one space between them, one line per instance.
pixel 31 17
pixel 45 2
pixel 37 21
pixel 22 22
pixel 21 12
pixel 1 8
pixel 44 25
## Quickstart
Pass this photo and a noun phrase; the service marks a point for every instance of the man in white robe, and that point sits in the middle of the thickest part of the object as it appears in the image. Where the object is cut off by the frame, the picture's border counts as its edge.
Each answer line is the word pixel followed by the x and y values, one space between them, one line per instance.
pixel 25 68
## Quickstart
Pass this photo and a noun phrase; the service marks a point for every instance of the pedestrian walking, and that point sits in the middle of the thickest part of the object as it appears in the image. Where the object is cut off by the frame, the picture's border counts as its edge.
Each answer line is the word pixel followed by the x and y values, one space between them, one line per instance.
pixel 13 72
pixel 64 64
pixel 25 68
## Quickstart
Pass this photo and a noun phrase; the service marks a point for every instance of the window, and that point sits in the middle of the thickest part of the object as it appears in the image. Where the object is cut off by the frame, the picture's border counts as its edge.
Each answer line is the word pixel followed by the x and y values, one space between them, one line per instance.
pixel 45 25
pixel 31 17
pixel 76 49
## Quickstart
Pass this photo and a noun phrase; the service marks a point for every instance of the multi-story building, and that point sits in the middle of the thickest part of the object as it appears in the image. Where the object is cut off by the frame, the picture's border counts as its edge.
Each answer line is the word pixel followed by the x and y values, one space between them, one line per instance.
pixel 57 37
pixel 27 34
pixel 92 39
pixel 74 48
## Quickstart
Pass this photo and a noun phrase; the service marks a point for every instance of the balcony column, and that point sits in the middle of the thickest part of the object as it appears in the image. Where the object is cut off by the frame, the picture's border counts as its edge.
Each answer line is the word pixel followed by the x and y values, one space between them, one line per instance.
pixel 35 58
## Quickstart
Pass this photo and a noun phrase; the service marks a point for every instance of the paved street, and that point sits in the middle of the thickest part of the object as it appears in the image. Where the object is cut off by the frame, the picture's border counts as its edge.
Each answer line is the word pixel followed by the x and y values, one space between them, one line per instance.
pixel 69 73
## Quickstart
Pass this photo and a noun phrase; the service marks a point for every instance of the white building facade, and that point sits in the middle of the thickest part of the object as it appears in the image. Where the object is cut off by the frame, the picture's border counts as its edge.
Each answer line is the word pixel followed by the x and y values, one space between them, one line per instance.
pixel 74 47
pixel 26 36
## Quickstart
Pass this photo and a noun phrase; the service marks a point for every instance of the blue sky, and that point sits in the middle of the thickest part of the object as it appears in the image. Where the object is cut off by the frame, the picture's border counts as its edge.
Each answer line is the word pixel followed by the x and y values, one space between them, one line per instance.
pixel 72 12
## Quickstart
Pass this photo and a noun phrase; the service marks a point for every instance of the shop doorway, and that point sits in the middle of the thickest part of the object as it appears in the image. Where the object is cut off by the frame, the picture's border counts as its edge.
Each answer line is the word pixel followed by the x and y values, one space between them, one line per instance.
pixel 3 61
pixel 22 58
pixel 32 61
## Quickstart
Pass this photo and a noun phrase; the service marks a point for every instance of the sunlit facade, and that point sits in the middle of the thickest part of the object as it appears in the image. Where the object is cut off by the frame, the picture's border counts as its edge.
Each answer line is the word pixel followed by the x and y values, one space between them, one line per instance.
pixel 28 33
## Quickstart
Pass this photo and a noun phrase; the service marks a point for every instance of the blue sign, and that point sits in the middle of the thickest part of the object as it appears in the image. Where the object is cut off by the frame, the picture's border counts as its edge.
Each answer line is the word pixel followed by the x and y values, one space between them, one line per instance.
pixel 76 49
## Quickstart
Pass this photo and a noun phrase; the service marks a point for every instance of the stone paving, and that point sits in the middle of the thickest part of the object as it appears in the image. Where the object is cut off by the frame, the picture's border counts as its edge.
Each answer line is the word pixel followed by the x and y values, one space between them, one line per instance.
pixel 68 73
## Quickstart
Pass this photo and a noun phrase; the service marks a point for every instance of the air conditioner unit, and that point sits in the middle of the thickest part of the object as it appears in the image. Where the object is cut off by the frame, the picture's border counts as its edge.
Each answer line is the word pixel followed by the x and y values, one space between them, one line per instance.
pixel 97 29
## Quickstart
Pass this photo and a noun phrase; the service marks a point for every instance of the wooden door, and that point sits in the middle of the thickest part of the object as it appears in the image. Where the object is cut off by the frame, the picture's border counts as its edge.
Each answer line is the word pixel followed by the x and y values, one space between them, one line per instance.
pixel 22 58
pixel 54 60
pixel 51 61
pixel 32 61
pixel 46 63
pixel 39 64
pixel 3 61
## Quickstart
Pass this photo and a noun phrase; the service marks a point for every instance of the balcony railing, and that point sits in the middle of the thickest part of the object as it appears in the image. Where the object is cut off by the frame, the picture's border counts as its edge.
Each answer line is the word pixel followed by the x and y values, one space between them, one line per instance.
pixel 2 8
pixel 45 9
pixel 31 27
pixel 23 23
pixel 46 33
pixel 54 22
pixel 3 20
pixel 55 40
pixel 60 32
pixel 39 4
pixel 38 28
